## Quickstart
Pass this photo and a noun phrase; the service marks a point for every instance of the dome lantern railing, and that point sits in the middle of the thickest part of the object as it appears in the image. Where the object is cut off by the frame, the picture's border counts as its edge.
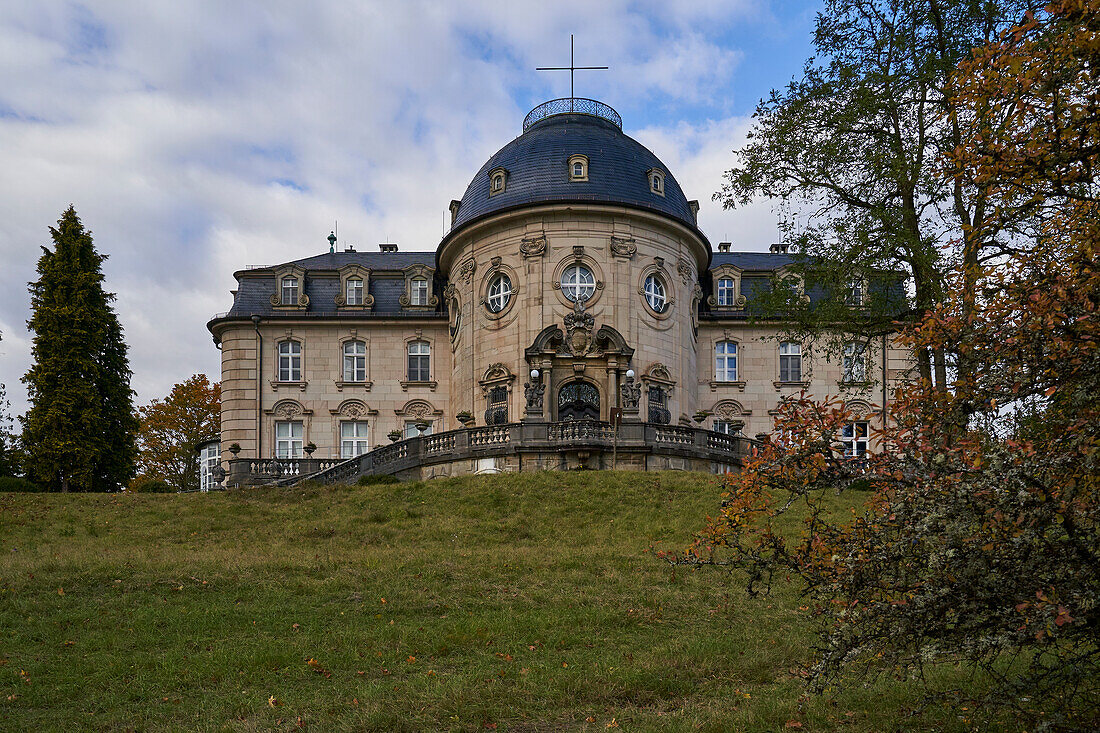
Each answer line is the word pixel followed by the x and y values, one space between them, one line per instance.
pixel 572 105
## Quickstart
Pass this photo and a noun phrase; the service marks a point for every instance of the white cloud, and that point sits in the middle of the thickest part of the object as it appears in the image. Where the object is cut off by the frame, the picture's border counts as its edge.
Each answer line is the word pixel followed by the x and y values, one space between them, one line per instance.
pixel 197 138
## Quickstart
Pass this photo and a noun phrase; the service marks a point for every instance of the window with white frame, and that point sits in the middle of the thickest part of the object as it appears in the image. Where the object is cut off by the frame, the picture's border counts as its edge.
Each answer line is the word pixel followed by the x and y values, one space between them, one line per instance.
pixel 290 361
pixel 577 282
pixel 854 438
pixel 655 293
pixel 500 292
pixel 353 438
pixel 854 366
pixel 418 291
pixel 411 430
pixel 209 459
pixel 725 291
pixel 725 361
pixel 790 361
pixel 725 427
pixel 354 292
pixel 289 290
pixel 578 169
pixel 420 358
pixel 355 361
pixel 288 439
pixel 855 292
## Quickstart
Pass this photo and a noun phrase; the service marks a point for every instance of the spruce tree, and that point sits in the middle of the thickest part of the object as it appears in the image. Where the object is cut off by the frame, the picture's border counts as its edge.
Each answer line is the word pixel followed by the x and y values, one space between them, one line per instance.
pixel 79 431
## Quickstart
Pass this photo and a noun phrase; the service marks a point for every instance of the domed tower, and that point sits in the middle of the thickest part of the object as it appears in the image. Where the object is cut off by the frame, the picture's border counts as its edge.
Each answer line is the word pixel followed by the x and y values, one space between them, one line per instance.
pixel 575 253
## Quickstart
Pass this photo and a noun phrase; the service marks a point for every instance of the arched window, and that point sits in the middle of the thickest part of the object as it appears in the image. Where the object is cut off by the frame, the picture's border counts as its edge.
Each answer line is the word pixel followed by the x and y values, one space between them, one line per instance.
pixel 354 294
pixel 498 182
pixel 578 169
pixel 655 293
pixel 355 361
pixel 725 361
pixel 290 361
pixel 578 283
pixel 500 292
pixel 420 358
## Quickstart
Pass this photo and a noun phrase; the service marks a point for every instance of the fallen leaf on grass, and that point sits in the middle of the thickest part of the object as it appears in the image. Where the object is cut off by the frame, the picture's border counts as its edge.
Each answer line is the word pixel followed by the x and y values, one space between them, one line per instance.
pixel 274 702
pixel 793 724
pixel 60 591
pixel 316 667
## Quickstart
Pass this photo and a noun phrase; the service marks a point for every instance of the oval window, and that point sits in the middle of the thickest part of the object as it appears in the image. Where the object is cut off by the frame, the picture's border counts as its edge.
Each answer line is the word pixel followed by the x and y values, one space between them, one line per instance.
pixel 578 283
pixel 655 293
pixel 500 292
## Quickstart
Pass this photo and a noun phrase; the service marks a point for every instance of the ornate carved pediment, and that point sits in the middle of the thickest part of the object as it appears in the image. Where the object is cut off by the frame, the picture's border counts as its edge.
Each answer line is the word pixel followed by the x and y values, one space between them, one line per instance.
pixel 578 339
pixel 418 410
pixel 860 408
pixel 496 371
pixel 578 330
pixel 466 271
pixel 728 410
pixel 623 247
pixel 288 410
pixel 659 372
pixel 353 410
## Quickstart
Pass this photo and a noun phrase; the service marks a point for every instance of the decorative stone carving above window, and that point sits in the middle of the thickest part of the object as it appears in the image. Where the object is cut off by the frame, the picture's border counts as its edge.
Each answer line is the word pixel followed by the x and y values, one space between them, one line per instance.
pixel 497 375
pixel 578 167
pixel 353 410
pixel 466 271
pixel 290 289
pixel 418 410
pixel 533 246
pixel 684 270
pixel 623 247
pixel 418 295
pixel 354 298
pixel 726 289
pixel 659 374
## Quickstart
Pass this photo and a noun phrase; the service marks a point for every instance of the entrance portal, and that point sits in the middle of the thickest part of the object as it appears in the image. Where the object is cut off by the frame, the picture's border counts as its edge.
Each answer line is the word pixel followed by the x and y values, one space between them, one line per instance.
pixel 578 401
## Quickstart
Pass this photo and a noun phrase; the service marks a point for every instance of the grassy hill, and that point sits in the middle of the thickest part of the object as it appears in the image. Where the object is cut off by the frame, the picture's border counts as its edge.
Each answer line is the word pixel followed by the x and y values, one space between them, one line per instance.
pixel 524 603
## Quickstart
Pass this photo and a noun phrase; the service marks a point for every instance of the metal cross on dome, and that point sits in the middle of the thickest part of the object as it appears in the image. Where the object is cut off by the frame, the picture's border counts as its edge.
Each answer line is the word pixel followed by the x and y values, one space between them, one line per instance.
pixel 571 68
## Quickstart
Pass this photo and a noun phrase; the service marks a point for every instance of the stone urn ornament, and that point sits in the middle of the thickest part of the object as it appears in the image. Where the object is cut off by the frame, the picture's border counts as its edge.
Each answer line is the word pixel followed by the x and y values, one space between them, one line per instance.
pixel 421 426
pixel 235 448
pixel 394 435
pixel 310 447
pixel 466 418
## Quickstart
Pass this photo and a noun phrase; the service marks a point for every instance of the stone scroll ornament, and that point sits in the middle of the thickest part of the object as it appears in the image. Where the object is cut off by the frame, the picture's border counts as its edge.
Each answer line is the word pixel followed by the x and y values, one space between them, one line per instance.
pixel 578 330
pixel 533 393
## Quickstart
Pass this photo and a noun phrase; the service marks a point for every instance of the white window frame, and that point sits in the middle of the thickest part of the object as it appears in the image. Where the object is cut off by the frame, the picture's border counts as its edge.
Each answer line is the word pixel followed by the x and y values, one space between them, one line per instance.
pixel 725 427
pixel 578 169
pixel 856 292
pixel 725 361
pixel 855 436
pixel 412 432
pixel 500 293
pixel 656 293
pixel 354 438
pixel 726 291
pixel 576 279
pixel 355 361
pixel 289 439
pixel 790 361
pixel 418 291
pixel 422 351
pixel 210 459
pixel 289 366
pixel 289 290
pixel 854 363
pixel 353 294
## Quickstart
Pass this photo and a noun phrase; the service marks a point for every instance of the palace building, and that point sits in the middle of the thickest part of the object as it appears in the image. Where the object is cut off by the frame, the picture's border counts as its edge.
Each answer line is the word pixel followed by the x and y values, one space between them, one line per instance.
pixel 573 290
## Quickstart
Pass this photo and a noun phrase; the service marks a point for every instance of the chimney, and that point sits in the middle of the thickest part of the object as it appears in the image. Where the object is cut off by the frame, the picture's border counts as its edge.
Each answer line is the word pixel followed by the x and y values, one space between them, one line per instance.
pixel 724 246
pixel 779 248
pixel 387 247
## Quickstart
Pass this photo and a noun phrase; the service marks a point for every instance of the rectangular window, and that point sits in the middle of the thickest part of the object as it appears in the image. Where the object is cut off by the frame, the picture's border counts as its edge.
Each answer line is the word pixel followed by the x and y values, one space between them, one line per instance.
pixel 354 291
pixel 419 294
pixel 790 362
pixel 210 459
pixel 420 361
pixel 355 361
pixel 412 432
pixel 725 361
pixel 854 368
pixel 854 437
pixel 288 439
pixel 725 291
pixel 290 361
pixel 725 427
pixel 290 291
pixel 855 293
pixel 353 439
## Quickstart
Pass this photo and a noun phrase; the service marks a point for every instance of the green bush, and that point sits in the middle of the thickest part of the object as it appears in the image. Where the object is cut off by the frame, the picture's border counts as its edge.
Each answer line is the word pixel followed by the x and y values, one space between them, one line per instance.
pixel 150 485
pixel 17 483
pixel 383 479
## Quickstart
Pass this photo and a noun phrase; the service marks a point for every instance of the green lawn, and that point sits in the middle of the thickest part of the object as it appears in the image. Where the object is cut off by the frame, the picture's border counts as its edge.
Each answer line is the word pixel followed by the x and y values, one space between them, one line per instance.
pixel 525 603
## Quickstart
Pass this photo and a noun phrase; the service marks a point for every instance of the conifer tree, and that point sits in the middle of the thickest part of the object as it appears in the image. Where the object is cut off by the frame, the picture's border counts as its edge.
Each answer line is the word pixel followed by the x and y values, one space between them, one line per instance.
pixel 79 430
pixel 9 443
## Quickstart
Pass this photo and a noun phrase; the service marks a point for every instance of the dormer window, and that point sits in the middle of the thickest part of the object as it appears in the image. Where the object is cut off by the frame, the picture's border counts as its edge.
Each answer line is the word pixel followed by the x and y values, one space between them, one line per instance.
pixel 290 290
pixel 418 293
pixel 578 167
pixel 498 181
pixel 656 181
pixel 727 288
pixel 856 292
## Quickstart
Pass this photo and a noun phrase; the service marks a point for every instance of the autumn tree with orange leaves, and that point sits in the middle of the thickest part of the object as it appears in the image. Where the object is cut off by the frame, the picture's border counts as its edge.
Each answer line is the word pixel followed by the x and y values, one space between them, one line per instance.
pixel 979 541
pixel 171 430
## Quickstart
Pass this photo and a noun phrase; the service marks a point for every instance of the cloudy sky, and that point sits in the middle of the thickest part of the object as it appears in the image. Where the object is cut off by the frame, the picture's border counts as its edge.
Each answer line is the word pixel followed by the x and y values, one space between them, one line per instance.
pixel 198 137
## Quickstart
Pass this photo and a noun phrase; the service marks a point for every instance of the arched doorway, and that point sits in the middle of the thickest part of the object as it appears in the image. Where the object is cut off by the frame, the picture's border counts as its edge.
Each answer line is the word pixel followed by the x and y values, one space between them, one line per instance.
pixel 578 401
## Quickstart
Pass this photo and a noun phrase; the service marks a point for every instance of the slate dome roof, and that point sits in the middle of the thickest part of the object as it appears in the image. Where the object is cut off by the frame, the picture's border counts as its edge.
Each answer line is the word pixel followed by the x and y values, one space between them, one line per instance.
pixel 537 167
